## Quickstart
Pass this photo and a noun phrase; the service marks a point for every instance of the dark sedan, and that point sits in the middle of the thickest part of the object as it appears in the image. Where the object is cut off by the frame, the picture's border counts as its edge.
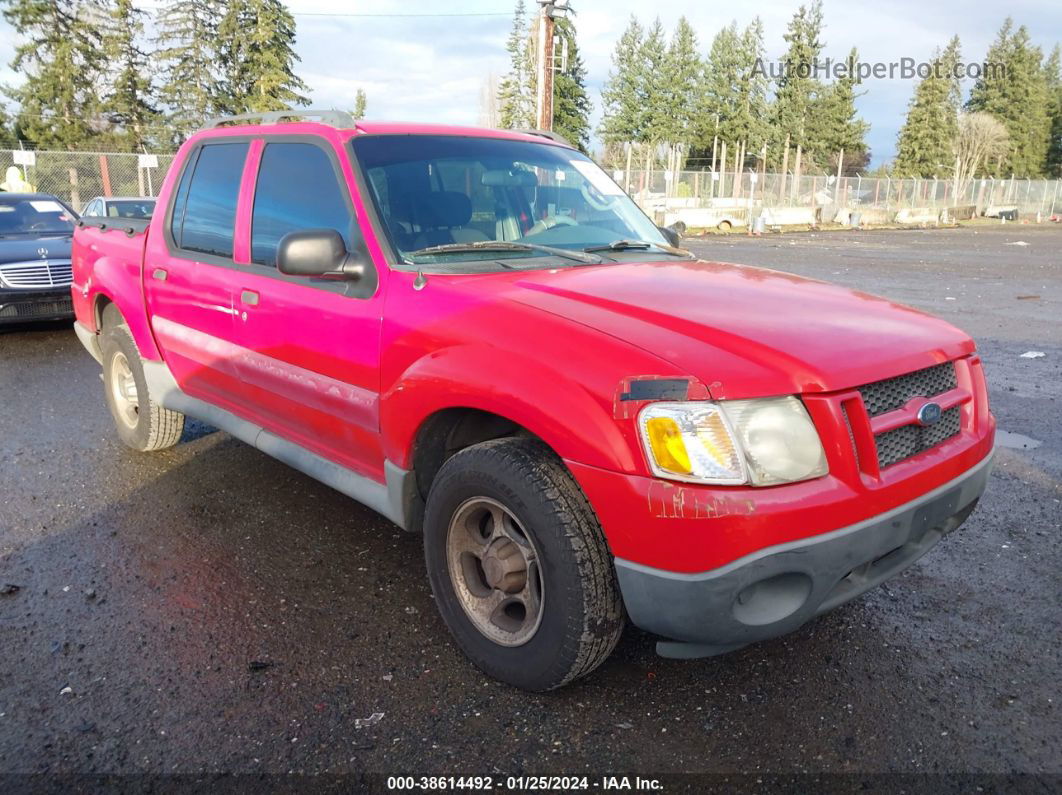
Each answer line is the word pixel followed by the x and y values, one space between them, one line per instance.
pixel 36 230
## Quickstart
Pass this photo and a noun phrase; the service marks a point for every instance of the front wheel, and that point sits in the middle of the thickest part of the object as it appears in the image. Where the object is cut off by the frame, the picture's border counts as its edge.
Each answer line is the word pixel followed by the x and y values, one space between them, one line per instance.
pixel 519 566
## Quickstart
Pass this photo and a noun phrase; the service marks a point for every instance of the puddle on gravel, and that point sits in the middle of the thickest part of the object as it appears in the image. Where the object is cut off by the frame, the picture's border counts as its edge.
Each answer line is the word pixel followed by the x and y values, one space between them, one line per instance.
pixel 1016 441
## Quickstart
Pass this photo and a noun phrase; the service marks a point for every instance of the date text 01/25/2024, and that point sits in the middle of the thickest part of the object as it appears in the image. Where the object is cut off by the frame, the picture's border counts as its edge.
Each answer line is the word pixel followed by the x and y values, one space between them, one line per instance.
pixel 522 783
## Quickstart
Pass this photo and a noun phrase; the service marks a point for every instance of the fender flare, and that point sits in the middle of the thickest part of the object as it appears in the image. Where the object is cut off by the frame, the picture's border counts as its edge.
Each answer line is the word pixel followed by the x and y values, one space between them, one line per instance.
pixel 120 284
pixel 577 425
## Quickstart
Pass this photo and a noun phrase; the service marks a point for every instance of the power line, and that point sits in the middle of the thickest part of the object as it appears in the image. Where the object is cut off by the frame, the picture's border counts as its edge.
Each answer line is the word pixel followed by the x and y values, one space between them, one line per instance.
pixel 380 15
pixel 428 14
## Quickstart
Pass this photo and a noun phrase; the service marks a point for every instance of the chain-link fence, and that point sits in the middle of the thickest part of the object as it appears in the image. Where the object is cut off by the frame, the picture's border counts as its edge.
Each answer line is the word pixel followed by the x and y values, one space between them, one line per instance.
pixel 78 177
pixel 826 196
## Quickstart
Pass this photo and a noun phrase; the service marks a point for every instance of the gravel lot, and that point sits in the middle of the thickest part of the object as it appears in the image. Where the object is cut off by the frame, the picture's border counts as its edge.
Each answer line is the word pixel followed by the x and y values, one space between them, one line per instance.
pixel 207 610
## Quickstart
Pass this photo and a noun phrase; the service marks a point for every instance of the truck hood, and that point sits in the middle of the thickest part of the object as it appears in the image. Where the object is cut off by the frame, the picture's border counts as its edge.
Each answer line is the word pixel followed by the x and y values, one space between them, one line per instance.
pixel 744 331
pixel 25 249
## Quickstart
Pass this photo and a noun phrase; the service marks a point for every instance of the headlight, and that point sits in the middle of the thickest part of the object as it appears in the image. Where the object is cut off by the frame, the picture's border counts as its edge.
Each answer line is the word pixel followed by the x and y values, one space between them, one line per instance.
pixel 763 442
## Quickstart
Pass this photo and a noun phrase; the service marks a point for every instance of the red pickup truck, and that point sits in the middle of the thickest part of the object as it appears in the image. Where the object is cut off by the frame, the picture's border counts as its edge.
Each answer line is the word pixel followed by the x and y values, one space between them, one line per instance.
pixel 479 335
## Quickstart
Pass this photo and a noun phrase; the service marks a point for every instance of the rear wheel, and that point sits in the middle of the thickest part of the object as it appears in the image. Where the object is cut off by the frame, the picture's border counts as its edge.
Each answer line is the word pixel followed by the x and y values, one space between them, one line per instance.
pixel 518 565
pixel 142 423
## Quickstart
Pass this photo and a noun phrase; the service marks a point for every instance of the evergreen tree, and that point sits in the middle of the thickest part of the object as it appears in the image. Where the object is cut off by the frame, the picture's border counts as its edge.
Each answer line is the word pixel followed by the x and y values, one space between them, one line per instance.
pixel 654 87
pixel 796 86
pixel 360 102
pixel 1017 95
pixel 256 41
pixel 7 132
pixel 623 120
pixel 750 121
pixel 685 74
pixel 571 103
pixel 722 73
pixel 834 124
pixel 129 103
pixel 515 98
pixel 736 89
pixel 926 140
pixel 60 56
pixel 187 35
pixel 1053 80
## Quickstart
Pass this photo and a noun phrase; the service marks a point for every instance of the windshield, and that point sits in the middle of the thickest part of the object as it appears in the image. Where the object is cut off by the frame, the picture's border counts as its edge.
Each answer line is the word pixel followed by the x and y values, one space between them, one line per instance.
pixel 126 208
pixel 445 199
pixel 35 217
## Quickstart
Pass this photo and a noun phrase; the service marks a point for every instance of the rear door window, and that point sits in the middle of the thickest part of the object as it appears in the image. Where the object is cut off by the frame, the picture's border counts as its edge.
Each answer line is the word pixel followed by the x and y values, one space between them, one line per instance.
pixel 206 214
pixel 297 189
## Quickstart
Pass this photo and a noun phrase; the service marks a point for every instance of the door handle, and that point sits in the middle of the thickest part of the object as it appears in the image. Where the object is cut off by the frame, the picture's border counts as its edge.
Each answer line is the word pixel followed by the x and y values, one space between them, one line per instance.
pixel 249 297
pixel 159 274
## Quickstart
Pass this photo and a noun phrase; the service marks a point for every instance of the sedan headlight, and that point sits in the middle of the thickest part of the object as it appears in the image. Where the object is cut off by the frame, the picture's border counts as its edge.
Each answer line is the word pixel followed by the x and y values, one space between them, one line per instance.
pixel 731 442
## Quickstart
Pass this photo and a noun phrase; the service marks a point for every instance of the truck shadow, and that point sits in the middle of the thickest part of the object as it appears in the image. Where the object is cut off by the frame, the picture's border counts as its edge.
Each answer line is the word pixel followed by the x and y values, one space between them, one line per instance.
pixel 233 604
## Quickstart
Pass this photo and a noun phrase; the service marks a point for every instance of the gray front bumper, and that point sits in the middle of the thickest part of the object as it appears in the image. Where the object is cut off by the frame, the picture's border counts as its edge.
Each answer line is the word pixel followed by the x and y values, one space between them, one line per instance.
pixel 775 590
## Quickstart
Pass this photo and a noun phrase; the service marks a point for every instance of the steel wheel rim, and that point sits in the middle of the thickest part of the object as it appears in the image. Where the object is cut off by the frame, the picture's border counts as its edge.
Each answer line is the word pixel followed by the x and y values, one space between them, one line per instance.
pixel 495 571
pixel 123 391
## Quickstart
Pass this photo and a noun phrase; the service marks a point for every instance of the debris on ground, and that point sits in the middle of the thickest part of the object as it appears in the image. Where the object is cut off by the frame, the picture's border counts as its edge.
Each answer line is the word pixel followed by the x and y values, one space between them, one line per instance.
pixel 388 677
pixel 1018 243
pixel 1033 355
pixel 259 665
pixel 1028 297
pixel 624 725
pixel 9 588
pixel 90 594
pixel 372 720
pixel 67 691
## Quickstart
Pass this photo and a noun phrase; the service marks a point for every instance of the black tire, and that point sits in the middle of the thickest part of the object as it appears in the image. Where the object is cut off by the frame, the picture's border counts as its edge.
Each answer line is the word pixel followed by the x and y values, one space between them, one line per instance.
pixel 582 614
pixel 154 427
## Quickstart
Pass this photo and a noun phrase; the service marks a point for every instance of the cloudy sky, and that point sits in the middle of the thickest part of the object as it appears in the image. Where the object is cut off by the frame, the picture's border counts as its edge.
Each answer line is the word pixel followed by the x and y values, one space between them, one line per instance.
pixel 433 68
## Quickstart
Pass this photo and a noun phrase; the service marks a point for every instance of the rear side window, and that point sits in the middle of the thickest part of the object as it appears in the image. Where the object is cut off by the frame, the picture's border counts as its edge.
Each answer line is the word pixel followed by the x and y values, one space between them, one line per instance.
pixel 297 189
pixel 205 213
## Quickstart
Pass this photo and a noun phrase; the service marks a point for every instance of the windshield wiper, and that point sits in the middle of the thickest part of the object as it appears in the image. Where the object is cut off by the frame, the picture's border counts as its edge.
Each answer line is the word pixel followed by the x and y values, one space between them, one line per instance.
pixel 504 245
pixel 639 245
pixel 621 245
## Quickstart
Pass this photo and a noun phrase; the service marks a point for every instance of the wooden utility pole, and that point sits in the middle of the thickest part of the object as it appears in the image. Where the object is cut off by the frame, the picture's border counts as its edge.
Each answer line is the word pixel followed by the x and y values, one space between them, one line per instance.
pixel 840 170
pixel 722 170
pixel 785 169
pixel 544 65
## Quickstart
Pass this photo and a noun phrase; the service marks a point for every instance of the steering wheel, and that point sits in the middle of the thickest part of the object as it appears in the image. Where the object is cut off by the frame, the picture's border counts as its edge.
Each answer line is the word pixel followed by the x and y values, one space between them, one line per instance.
pixel 549 222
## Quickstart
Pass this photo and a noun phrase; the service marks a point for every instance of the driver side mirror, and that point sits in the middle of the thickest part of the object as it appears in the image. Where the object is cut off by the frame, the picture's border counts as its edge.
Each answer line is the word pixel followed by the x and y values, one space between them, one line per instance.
pixel 317 252
pixel 673 233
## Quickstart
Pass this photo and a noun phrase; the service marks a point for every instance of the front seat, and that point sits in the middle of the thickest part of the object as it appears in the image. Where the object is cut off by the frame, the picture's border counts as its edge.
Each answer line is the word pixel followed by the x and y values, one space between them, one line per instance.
pixel 443 218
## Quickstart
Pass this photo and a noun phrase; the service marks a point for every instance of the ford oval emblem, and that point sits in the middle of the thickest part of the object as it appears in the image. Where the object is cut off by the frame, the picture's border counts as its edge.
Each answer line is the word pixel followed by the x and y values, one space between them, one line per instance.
pixel 929 414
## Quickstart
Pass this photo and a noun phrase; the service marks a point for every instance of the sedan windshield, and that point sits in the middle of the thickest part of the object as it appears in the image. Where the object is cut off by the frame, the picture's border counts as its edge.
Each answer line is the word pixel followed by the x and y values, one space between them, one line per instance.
pixel 450 201
pixel 130 208
pixel 34 217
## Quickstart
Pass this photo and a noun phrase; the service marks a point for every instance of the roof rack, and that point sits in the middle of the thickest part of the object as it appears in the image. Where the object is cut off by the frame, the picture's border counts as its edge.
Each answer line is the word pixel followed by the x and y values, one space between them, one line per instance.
pixel 545 134
pixel 334 118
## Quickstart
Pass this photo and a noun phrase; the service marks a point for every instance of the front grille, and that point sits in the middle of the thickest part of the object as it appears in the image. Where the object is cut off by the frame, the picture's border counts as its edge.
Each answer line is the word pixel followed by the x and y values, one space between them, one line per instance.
pixel 40 273
pixel 909 440
pixel 27 310
pixel 882 397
